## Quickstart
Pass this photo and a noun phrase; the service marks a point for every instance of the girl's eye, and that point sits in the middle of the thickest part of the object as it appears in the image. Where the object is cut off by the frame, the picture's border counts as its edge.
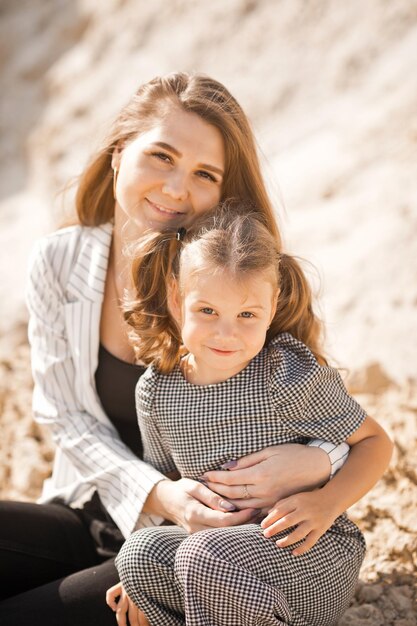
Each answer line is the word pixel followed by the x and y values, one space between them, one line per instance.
pixel 207 310
pixel 206 176
pixel 247 314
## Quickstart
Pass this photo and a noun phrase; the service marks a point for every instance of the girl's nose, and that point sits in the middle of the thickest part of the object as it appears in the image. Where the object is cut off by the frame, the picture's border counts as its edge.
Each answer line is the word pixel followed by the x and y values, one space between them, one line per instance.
pixel 225 329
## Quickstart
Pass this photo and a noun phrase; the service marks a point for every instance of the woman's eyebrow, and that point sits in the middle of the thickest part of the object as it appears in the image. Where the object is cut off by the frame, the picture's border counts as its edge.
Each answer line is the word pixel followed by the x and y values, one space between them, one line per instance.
pixel 167 146
pixel 205 166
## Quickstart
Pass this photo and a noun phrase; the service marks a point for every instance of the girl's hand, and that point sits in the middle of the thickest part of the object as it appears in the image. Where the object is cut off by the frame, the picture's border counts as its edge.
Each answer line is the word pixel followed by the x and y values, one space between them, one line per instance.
pixel 118 600
pixel 270 475
pixel 193 506
pixel 310 512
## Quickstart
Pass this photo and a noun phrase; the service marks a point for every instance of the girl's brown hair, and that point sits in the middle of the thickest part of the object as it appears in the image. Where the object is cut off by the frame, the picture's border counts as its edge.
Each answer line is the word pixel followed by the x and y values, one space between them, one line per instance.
pixel 233 238
pixel 194 93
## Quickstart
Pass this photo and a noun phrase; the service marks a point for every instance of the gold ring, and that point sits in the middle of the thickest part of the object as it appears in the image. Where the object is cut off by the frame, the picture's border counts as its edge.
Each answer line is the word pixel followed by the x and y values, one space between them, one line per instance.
pixel 246 493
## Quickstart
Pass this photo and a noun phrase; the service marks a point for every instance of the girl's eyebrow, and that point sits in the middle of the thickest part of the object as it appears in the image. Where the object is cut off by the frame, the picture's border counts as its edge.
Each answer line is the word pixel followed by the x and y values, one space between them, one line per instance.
pixel 204 166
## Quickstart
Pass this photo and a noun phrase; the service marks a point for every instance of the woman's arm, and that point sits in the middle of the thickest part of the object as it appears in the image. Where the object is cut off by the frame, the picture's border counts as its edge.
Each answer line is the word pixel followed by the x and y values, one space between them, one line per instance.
pixel 93 447
pixel 277 472
pixel 313 513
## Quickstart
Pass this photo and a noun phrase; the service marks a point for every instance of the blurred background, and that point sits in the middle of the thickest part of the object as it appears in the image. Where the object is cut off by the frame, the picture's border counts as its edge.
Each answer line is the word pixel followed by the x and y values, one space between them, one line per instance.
pixel 331 91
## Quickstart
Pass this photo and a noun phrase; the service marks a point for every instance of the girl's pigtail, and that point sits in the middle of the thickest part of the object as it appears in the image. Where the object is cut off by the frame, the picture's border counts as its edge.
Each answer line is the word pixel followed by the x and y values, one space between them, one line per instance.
pixel 155 335
pixel 294 312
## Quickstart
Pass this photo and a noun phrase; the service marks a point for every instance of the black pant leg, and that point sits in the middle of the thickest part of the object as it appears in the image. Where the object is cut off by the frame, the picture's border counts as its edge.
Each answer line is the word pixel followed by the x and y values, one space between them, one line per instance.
pixel 76 600
pixel 50 573
pixel 40 543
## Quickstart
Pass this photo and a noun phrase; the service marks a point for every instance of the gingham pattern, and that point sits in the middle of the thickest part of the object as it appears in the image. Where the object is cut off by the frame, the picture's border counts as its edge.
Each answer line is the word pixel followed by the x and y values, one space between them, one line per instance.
pixel 235 576
pixel 282 396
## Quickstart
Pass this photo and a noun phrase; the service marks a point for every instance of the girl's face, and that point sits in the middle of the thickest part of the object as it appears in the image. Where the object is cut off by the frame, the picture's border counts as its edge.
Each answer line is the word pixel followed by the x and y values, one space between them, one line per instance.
pixel 169 174
pixel 223 321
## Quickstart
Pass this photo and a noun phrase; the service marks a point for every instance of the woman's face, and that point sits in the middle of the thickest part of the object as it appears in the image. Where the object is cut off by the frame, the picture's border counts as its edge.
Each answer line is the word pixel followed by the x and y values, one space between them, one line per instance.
pixel 169 174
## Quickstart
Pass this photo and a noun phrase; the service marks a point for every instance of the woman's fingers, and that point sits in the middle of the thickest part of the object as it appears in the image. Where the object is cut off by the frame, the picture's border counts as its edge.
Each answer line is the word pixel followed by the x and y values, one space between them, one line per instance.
pixel 231 492
pixel 213 500
pixel 236 477
pixel 248 461
pixel 203 518
pixel 195 507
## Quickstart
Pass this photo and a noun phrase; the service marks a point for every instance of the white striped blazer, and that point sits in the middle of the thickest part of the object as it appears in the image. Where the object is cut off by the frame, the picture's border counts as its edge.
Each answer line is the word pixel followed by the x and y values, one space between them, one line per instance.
pixel 64 296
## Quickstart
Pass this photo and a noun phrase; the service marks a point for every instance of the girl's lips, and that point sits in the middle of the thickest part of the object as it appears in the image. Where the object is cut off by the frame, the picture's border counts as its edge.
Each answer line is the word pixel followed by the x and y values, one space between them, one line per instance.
pixel 223 352
pixel 163 209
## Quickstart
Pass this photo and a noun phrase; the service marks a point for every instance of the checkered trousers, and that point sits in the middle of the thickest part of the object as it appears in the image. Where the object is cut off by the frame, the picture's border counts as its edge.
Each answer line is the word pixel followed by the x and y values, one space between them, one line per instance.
pixel 237 577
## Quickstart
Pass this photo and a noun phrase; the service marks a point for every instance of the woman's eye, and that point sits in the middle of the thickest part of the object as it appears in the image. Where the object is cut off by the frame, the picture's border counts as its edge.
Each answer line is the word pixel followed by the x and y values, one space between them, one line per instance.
pixel 247 314
pixel 207 310
pixel 162 157
pixel 206 176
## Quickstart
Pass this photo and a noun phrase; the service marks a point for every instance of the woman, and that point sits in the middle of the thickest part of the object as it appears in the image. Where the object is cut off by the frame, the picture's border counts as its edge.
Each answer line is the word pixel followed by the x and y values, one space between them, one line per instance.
pixel 181 144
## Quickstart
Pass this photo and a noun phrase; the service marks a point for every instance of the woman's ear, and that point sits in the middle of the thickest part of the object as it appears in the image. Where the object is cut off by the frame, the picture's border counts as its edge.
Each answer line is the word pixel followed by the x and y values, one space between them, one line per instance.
pixel 115 158
pixel 174 300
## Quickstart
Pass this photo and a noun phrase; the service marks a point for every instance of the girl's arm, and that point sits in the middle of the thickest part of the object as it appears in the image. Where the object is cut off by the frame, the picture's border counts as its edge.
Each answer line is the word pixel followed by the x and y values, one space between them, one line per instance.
pixel 313 513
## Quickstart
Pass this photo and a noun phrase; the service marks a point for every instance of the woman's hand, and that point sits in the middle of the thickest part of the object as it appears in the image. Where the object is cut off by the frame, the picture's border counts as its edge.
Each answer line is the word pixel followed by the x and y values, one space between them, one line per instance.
pixel 118 600
pixel 310 512
pixel 193 506
pixel 270 475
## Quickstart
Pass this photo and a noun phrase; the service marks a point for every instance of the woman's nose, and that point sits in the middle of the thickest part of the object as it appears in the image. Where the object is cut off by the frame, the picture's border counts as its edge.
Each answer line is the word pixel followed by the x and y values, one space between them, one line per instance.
pixel 176 186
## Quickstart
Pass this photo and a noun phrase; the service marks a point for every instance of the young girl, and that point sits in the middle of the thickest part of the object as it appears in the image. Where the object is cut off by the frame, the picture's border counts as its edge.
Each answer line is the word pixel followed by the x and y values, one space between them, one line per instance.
pixel 227 380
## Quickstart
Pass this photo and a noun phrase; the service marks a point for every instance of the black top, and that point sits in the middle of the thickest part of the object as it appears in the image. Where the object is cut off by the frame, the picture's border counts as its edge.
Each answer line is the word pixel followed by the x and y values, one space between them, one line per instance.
pixel 115 382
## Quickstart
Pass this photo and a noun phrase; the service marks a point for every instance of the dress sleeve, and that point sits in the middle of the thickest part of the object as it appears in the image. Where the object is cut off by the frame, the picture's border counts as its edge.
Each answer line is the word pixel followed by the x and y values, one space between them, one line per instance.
pixel 310 399
pixel 155 449
pixel 94 448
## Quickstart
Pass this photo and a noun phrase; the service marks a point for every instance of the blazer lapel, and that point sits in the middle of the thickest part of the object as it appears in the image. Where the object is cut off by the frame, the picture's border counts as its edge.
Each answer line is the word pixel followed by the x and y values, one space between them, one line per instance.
pixel 86 284
pixel 88 276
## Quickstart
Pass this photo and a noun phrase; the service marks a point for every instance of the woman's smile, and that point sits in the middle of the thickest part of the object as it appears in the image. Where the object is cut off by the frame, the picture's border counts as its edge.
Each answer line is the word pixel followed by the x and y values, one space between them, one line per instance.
pixel 164 209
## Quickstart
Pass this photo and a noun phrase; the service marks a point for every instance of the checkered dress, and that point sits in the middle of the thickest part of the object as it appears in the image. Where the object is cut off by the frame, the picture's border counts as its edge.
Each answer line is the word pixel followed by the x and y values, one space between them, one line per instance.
pixel 235 576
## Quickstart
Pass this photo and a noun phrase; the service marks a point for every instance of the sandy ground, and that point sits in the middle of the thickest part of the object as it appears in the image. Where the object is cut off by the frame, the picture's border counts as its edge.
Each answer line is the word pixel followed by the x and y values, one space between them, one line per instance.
pixel 386 594
pixel 331 91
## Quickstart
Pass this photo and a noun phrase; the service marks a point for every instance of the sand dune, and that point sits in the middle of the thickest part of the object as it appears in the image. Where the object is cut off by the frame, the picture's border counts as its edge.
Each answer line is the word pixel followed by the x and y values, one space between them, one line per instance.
pixel 331 91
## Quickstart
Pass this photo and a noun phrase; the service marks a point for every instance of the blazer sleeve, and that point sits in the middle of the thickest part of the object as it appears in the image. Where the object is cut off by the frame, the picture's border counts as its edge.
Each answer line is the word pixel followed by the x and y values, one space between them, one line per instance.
pixel 93 446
